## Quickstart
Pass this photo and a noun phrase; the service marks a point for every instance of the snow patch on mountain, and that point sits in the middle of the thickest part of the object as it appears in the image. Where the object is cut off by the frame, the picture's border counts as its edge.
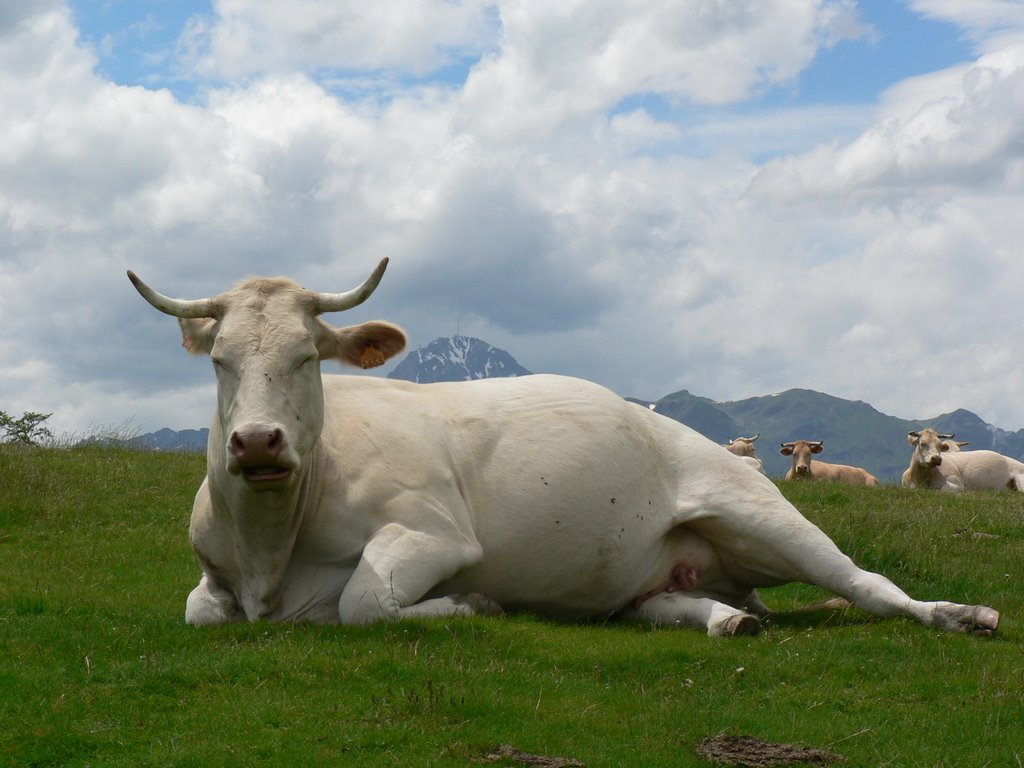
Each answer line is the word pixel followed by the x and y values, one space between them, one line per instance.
pixel 457 358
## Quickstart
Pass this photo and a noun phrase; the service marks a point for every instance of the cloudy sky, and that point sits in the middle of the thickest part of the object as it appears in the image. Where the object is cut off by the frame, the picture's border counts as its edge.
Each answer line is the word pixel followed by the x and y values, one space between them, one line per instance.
pixel 734 198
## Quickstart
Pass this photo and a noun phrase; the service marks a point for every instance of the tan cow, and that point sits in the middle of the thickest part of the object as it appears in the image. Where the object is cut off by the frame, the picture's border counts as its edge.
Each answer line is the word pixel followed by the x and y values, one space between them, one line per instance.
pixel 958 471
pixel 804 468
pixel 744 448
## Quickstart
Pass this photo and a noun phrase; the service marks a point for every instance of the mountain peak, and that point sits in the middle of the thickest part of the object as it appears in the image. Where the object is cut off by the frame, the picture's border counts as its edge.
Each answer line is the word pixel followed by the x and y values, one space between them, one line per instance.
pixel 457 358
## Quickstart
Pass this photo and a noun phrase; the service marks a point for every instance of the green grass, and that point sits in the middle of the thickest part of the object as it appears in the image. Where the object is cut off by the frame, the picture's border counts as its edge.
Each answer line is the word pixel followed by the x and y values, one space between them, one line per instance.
pixel 98 669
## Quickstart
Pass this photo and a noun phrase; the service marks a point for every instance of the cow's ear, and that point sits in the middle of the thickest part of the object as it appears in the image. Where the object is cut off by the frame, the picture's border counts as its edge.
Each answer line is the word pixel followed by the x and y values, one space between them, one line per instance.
pixel 943 446
pixel 197 334
pixel 913 438
pixel 817 448
pixel 366 345
pixel 786 450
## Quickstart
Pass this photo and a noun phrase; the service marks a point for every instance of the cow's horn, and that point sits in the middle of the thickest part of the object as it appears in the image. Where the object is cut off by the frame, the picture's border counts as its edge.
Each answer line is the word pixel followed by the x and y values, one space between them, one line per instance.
pixel 914 434
pixel 947 437
pixel 337 302
pixel 752 439
pixel 787 445
pixel 176 307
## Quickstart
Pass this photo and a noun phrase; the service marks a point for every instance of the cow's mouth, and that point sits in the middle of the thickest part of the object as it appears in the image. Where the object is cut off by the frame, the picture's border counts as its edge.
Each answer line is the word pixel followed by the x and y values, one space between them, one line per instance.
pixel 264 475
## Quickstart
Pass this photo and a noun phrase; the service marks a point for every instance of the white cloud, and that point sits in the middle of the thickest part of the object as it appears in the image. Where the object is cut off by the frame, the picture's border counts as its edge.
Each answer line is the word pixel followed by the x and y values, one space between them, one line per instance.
pixel 934 135
pixel 544 204
pixel 247 39
pixel 638 129
pixel 563 61
pixel 989 22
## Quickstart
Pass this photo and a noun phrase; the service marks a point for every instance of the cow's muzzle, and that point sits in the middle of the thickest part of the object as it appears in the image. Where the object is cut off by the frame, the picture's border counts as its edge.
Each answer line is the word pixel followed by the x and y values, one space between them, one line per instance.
pixel 258 454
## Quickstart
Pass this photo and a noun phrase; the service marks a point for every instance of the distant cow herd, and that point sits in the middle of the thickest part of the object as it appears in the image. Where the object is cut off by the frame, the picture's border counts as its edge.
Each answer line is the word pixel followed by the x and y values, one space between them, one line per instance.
pixel 957 470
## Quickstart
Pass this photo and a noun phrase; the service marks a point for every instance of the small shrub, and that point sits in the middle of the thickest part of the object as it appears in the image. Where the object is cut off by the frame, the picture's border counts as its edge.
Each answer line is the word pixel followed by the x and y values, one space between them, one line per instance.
pixel 27 430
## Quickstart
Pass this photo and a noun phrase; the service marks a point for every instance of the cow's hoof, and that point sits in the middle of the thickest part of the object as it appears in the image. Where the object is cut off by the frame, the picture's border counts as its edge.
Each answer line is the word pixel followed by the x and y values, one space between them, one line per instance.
pixel 986 621
pixel 737 625
pixel 480 604
pixel 979 620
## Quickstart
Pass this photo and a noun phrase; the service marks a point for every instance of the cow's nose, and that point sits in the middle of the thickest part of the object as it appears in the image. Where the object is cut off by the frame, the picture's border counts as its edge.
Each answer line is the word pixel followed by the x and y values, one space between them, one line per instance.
pixel 257 446
pixel 935 461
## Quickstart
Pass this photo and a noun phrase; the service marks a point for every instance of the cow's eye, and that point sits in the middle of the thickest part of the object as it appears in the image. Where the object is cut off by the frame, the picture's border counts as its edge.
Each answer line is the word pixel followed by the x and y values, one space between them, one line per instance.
pixel 221 367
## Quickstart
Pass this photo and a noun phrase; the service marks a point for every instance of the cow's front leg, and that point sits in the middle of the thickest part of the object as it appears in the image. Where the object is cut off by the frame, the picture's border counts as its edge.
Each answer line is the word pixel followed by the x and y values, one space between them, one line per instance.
pixel 209 604
pixel 399 566
pixel 953 484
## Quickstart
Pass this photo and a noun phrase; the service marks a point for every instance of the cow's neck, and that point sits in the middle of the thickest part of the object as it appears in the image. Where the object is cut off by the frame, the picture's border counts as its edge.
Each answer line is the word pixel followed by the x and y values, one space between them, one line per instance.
pixel 264 527
pixel 920 475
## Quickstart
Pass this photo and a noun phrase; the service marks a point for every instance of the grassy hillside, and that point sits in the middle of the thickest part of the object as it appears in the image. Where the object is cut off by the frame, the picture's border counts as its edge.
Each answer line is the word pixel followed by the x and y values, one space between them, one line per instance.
pixel 853 432
pixel 98 668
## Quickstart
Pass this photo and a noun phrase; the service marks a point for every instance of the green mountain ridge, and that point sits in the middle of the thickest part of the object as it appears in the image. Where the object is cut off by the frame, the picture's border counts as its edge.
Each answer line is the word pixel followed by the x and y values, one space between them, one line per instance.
pixel 853 431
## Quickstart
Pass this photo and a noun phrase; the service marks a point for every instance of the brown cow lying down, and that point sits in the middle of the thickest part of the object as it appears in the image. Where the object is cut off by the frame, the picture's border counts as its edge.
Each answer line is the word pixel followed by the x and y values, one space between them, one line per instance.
pixel 804 468
pixel 958 471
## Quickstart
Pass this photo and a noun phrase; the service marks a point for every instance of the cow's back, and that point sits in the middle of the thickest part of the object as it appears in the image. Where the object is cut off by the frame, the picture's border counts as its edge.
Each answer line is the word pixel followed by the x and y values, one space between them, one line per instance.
pixel 837 473
pixel 981 470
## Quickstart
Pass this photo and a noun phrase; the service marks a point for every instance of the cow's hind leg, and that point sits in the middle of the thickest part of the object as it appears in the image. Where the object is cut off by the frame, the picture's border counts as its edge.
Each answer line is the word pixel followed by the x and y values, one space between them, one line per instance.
pixel 790 548
pixel 688 609
pixel 753 603
pixel 817 560
pixel 875 594
pixel 399 566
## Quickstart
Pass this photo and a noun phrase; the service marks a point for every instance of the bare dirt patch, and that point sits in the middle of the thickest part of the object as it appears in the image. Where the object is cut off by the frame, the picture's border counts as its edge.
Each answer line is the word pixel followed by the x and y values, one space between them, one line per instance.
pixel 755 753
pixel 505 753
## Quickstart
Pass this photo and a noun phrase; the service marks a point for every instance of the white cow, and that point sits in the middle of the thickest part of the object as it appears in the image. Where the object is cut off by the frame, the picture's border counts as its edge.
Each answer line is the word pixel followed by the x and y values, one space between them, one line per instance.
pixel 356 499
pixel 958 470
